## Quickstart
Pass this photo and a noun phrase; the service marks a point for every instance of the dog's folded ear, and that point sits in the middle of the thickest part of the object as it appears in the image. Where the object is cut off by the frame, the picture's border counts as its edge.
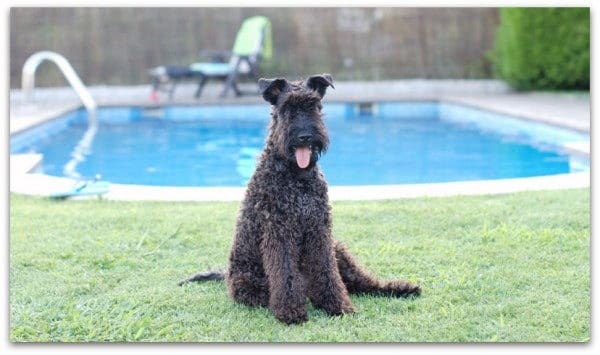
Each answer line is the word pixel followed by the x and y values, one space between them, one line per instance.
pixel 270 89
pixel 319 83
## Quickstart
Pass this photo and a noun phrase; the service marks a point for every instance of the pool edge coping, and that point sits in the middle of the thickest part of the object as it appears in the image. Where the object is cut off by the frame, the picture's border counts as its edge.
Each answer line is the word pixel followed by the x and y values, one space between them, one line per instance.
pixel 43 185
pixel 360 193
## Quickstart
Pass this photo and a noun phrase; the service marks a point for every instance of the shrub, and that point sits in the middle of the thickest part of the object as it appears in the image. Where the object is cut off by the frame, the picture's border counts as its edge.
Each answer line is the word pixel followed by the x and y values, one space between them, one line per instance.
pixel 544 48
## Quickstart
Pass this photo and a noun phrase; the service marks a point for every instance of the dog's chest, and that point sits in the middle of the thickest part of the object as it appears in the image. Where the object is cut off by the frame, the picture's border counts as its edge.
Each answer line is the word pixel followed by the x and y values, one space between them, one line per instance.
pixel 308 203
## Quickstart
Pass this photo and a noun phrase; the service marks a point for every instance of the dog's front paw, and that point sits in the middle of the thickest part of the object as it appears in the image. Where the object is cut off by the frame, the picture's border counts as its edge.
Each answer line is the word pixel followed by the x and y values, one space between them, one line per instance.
pixel 338 308
pixel 292 317
pixel 348 309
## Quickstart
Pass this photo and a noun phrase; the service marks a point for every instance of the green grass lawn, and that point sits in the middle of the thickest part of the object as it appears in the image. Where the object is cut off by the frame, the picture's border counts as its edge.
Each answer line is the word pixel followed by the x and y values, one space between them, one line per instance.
pixel 493 268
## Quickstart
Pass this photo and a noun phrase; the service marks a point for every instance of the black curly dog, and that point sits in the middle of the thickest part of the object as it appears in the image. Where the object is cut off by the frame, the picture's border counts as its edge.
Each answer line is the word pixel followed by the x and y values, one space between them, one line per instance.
pixel 283 250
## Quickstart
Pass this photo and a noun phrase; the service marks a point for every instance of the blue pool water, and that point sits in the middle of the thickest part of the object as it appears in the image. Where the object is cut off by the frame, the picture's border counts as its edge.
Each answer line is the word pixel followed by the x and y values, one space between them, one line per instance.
pixel 384 143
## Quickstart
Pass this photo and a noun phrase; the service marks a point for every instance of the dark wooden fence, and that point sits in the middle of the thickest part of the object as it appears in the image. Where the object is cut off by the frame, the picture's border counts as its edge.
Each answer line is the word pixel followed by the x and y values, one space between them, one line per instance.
pixel 116 46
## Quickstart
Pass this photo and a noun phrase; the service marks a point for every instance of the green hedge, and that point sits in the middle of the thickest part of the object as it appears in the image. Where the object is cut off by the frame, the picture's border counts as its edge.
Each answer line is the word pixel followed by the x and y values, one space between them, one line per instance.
pixel 544 48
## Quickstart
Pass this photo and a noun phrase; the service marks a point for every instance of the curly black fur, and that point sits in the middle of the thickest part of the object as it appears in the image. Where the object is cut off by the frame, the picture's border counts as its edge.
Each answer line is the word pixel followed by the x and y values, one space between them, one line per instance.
pixel 283 250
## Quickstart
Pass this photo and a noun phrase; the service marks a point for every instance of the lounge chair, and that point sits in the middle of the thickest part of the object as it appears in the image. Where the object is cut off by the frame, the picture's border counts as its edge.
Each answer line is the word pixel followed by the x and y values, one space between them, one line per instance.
pixel 252 44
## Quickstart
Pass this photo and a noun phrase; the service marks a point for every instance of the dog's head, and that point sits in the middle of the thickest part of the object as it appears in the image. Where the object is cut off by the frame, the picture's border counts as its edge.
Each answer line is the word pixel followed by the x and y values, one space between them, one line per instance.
pixel 297 130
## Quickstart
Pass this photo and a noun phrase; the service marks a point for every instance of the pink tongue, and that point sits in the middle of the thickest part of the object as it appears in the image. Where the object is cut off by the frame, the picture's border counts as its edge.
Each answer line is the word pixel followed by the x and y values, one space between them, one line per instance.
pixel 302 157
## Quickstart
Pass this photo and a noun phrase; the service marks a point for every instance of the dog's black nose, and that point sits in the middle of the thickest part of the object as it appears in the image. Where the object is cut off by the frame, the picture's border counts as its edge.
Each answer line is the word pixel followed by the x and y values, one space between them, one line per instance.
pixel 304 138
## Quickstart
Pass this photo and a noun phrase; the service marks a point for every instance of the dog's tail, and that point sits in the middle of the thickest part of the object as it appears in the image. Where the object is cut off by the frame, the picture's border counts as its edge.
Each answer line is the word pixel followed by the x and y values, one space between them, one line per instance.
pixel 205 276
pixel 358 280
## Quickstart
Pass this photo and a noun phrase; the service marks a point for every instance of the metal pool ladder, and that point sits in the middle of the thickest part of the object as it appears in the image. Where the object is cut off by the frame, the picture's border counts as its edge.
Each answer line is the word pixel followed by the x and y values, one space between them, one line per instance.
pixel 28 84
pixel 31 65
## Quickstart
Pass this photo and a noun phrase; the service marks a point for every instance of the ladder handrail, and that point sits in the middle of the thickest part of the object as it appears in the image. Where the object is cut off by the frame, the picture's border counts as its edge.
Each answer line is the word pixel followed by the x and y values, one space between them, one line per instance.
pixel 31 65
pixel 28 83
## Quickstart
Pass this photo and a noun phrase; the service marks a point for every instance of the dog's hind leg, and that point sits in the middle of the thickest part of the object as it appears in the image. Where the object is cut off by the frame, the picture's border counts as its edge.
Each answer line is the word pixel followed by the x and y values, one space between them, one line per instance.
pixel 358 280
pixel 246 279
pixel 248 288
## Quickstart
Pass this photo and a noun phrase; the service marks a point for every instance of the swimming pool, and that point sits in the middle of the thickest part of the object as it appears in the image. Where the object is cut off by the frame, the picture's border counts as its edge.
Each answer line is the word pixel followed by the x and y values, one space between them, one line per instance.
pixel 371 144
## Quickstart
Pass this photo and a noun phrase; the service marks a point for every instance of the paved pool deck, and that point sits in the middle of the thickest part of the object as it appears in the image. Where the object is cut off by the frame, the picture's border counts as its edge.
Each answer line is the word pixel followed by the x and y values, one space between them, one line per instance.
pixel 569 110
